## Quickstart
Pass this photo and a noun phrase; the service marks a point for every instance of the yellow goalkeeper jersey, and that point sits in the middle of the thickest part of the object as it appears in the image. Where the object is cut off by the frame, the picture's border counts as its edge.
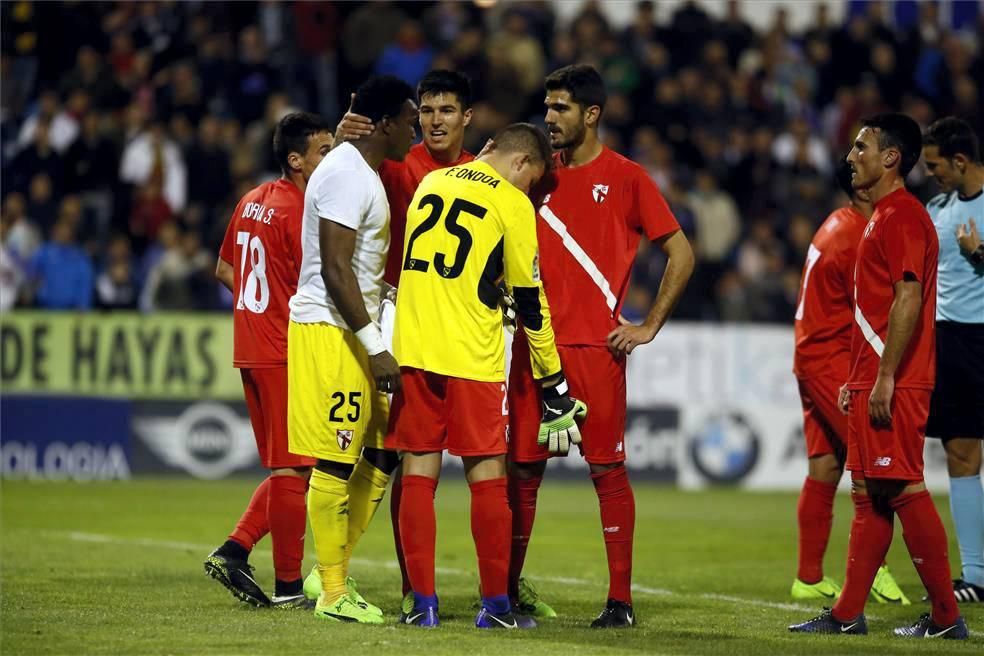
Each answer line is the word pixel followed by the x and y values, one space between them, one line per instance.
pixel 467 228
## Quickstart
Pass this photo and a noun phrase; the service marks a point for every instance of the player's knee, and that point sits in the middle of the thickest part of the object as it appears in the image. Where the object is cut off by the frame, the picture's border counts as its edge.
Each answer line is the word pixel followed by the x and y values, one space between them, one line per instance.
pixel 527 470
pixel 382 459
pixel 963 457
pixel 825 468
pixel 342 470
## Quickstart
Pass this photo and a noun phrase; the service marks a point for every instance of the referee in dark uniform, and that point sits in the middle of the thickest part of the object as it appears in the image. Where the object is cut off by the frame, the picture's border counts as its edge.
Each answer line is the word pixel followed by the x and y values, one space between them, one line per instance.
pixel 951 151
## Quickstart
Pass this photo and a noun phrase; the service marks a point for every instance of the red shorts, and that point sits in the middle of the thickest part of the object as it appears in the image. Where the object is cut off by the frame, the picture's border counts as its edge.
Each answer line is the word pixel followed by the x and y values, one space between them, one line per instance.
pixel 895 452
pixel 436 412
pixel 594 377
pixel 266 400
pixel 824 426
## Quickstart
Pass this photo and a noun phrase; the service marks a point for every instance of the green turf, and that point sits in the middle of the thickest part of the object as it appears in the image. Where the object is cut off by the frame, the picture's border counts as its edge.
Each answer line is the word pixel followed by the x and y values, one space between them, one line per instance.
pixel 117 569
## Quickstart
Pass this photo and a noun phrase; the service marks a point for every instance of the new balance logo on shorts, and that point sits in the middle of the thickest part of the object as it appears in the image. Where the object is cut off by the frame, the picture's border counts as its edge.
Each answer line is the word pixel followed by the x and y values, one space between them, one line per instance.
pixel 883 461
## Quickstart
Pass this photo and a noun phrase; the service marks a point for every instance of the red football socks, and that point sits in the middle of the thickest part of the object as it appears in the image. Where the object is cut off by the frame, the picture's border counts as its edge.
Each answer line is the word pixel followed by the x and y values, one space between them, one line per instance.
pixel 287 513
pixel 522 503
pixel 871 535
pixel 491 523
pixel 926 540
pixel 618 525
pixel 418 531
pixel 395 521
pixel 254 524
pixel 815 514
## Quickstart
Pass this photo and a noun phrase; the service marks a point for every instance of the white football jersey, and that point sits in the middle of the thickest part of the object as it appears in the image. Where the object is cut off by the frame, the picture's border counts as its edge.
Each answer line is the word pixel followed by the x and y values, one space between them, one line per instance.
pixel 346 190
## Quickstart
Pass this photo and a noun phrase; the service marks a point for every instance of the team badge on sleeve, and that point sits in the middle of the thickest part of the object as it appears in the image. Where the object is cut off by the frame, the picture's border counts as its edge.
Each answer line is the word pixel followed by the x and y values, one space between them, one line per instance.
pixel 344 438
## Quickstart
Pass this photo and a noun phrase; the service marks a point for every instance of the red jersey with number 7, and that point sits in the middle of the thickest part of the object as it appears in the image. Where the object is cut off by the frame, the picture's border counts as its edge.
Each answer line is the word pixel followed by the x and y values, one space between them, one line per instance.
pixel 263 245
pixel 588 228
pixel 825 308
pixel 899 243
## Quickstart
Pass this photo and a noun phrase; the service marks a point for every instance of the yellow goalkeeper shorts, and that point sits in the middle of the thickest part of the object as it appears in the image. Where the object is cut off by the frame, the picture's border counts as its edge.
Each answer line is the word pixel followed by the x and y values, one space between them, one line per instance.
pixel 333 408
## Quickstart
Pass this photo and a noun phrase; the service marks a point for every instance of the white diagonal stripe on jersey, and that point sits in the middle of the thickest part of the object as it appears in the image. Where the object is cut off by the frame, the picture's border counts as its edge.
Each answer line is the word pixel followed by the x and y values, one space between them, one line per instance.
pixel 580 256
pixel 868 332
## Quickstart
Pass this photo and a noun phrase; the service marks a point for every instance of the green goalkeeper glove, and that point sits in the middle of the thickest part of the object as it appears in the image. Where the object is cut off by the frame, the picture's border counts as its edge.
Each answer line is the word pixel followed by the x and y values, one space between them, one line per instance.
pixel 558 427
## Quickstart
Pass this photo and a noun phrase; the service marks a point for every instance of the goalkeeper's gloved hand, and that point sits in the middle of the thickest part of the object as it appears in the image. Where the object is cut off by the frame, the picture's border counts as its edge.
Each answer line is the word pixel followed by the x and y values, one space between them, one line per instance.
pixel 558 427
pixel 508 306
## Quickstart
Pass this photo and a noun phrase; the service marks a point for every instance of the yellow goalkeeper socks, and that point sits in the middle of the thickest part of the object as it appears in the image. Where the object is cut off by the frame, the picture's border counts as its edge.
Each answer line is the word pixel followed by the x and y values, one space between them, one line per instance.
pixel 366 489
pixel 328 512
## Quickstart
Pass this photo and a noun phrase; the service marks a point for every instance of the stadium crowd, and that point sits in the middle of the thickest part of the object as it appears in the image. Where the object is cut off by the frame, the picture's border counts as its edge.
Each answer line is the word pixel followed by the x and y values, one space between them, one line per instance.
pixel 129 130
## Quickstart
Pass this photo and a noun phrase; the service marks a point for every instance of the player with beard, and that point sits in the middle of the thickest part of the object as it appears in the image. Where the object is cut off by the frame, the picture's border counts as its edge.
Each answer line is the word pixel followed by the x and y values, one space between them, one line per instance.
pixel 887 393
pixel 588 231
pixel 821 362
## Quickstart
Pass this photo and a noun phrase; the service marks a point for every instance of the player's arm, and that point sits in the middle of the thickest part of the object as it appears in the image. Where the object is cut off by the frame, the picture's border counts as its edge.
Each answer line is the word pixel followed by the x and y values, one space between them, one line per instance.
pixel 337 243
pixel 902 319
pixel 558 427
pixel 679 268
pixel 224 273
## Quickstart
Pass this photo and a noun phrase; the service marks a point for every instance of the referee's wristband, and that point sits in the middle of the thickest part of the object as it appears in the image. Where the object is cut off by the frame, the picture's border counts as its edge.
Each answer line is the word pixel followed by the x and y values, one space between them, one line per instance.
pixel 371 339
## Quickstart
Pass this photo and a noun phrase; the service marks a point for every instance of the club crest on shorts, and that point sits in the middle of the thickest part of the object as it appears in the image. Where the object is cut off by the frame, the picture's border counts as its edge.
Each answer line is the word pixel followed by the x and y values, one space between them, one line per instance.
pixel 600 193
pixel 344 438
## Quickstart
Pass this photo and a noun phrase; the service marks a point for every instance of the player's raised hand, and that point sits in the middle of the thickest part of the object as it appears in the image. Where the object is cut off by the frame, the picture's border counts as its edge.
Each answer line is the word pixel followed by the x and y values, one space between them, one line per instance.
pixel 627 336
pixel 352 127
pixel 561 411
pixel 968 238
pixel 880 401
pixel 386 372
pixel 844 399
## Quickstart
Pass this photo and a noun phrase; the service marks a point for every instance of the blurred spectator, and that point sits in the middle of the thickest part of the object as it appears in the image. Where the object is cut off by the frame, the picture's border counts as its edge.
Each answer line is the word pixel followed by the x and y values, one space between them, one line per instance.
pixel 183 278
pixel 209 178
pixel 718 223
pixel 116 286
pixel 61 271
pixel 38 158
pixel 21 235
pixel 152 159
pixel 12 274
pixel 61 125
pixel 408 57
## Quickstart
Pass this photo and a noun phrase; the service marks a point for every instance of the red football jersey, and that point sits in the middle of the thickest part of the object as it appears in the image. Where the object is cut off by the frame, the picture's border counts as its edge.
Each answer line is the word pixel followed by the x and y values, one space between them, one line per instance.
pixel 588 231
pixel 899 242
pixel 263 244
pixel 401 179
pixel 825 309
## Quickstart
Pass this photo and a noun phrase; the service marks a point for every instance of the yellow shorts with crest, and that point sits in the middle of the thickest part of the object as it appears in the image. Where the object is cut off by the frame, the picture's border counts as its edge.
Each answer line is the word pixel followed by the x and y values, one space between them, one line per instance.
pixel 333 408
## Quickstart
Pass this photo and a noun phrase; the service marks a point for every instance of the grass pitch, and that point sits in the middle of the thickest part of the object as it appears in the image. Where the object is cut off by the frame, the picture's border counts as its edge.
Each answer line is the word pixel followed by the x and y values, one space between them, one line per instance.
pixel 117 569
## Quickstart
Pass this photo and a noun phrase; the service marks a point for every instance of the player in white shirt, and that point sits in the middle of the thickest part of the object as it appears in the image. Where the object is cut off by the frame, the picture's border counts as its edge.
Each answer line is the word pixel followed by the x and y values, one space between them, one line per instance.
pixel 338 369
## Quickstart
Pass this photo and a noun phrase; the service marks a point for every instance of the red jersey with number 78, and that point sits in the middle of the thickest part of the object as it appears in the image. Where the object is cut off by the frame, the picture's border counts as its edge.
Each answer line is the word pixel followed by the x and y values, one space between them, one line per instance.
pixel 899 243
pixel 263 245
pixel 825 309
pixel 588 229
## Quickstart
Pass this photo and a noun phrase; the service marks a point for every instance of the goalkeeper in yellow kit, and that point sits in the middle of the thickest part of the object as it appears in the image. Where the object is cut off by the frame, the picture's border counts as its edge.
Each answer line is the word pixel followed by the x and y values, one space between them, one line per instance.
pixel 467 227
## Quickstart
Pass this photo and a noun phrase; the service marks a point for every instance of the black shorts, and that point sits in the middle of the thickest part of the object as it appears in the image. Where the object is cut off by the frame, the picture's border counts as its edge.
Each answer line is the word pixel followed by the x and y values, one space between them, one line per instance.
pixel 957 407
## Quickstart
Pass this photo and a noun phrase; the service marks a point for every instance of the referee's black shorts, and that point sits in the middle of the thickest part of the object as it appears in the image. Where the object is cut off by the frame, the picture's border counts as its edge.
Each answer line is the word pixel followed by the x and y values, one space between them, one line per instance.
pixel 957 408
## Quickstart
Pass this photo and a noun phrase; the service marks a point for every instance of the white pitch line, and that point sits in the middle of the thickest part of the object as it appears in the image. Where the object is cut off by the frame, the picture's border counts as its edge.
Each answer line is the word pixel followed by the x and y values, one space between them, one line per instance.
pixel 79 536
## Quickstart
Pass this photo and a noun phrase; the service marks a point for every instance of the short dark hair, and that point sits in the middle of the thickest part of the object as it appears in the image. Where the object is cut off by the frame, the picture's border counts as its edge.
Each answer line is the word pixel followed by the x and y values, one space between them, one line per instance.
pixel 900 132
pixel 381 96
pixel 293 133
pixel 953 136
pixel 843 175
pixel 525 138
pixel 445 81
pixel 583 82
